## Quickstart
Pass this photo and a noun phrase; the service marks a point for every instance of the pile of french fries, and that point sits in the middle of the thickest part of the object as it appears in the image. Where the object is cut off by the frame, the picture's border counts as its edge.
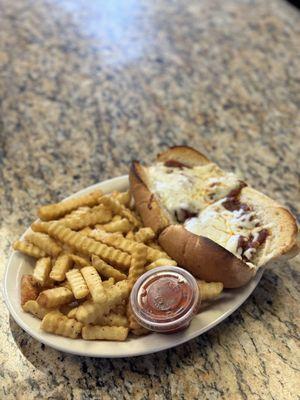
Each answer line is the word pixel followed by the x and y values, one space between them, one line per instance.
pixel 89 252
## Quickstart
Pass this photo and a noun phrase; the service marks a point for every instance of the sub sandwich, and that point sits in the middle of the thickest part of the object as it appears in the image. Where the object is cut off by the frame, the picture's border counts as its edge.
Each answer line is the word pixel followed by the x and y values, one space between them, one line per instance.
pixel 208 220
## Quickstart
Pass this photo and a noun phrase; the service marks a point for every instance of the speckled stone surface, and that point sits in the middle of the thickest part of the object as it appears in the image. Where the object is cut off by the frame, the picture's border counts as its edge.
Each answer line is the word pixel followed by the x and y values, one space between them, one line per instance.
pixel 87 86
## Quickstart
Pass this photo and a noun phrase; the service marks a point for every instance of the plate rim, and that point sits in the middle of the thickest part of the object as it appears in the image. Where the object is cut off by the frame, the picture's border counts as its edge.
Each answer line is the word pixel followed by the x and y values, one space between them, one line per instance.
pixel 43 336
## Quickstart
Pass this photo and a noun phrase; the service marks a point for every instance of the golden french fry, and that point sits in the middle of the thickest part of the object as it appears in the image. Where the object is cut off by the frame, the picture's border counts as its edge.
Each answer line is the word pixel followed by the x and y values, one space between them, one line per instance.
pixel 77 283
pixel 130 235
pixel 116 241
pixel 28 249
pixel 55 297
pixel 62 265
pixel 85 231
pixel 77 212
pixel 89 311
pixel 107 270
pixel 57 323
pixel 128 246
pixel 44 242
pixel 89 218
pixel 144 235
pixel 119 209
pixel 161 262
pixel 94 283
pixel 112 319
pixel 120 226
pixel 78 260
pixel 103 234
pixel 54 211
pixel 41 270
pixel 72 313
pixel 67 285
pixel 137 217
pixel 134 326
pixel 117 293
pixel 154 245
pixel 122 197
pixel 40 226
pixel 33 307
pixel 114 219
pixel 209 290
pixel 88 246
pixel 29 289
pixel 138 262
pixel 154 254
pixel 94 332
pixel 108 283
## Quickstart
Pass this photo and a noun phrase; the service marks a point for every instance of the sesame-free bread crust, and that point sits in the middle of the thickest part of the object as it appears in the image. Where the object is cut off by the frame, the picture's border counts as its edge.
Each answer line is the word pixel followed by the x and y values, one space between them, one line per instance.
pixel 204 258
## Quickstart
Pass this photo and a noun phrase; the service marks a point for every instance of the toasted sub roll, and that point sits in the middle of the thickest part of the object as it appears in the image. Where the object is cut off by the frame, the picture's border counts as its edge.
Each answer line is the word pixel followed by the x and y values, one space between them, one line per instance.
pixel 205 250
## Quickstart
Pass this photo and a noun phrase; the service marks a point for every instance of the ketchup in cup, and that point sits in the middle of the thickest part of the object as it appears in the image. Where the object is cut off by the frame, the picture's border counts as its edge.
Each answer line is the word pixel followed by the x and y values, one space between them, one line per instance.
pixel 165 299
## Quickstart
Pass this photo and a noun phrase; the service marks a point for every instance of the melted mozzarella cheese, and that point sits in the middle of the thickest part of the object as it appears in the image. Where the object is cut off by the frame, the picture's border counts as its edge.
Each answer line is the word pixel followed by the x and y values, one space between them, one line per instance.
pixel 225 227
pixel 190 188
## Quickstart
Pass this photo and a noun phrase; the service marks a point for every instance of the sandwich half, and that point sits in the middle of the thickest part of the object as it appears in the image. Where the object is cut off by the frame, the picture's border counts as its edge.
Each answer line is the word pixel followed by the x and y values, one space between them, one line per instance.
pixel 209 220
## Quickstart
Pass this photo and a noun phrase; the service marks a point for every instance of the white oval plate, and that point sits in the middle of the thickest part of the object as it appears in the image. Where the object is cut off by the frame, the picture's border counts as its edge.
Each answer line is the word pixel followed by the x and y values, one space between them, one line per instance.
pixel 19 264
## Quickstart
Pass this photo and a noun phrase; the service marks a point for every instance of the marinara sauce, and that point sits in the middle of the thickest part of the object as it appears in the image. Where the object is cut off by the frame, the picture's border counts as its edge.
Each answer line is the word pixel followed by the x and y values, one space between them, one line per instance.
pixel 165 299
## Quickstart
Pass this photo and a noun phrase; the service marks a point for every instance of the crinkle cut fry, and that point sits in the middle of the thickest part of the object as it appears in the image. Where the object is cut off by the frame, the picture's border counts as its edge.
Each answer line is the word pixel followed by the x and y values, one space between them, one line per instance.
pixel 127 245
pixel 120 226
pixel 130 236
pixel 55 297
pixel 94 283
pixel 40 226
pixel 77 283
pixel 160 262
pixel 209 290
pixel 34 308
pixel 95 332
pixel 56 322
pixel 118 208
pixel 89 218
pixel 89 311
pixel 29 289
pixel 28 249
pixel 44 242
pixel 116 241
pixel 112 319
pixel 134 326
pixel 61 265
pixel 54 211
pixel 41 270
pixel 80 261
pixel 144 235
pixel 138 262
pixel 122 197
pixel 87 245
pixel 107 270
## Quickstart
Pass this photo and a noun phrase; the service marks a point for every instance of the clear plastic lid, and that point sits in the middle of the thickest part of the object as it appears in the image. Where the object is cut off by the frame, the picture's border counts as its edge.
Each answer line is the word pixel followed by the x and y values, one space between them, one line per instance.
pixel 165 299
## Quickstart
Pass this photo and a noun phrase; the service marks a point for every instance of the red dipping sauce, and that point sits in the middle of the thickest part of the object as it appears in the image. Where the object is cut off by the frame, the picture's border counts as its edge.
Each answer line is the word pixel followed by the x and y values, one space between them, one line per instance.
pixel 165 299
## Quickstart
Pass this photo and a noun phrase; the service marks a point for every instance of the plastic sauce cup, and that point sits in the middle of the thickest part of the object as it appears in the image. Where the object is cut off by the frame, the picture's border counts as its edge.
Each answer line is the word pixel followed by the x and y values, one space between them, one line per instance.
pixel 165 299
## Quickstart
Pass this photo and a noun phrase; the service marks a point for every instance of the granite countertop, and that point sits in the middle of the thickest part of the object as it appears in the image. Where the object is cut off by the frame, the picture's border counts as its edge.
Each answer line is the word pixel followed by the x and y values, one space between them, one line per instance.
pixel 87 86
